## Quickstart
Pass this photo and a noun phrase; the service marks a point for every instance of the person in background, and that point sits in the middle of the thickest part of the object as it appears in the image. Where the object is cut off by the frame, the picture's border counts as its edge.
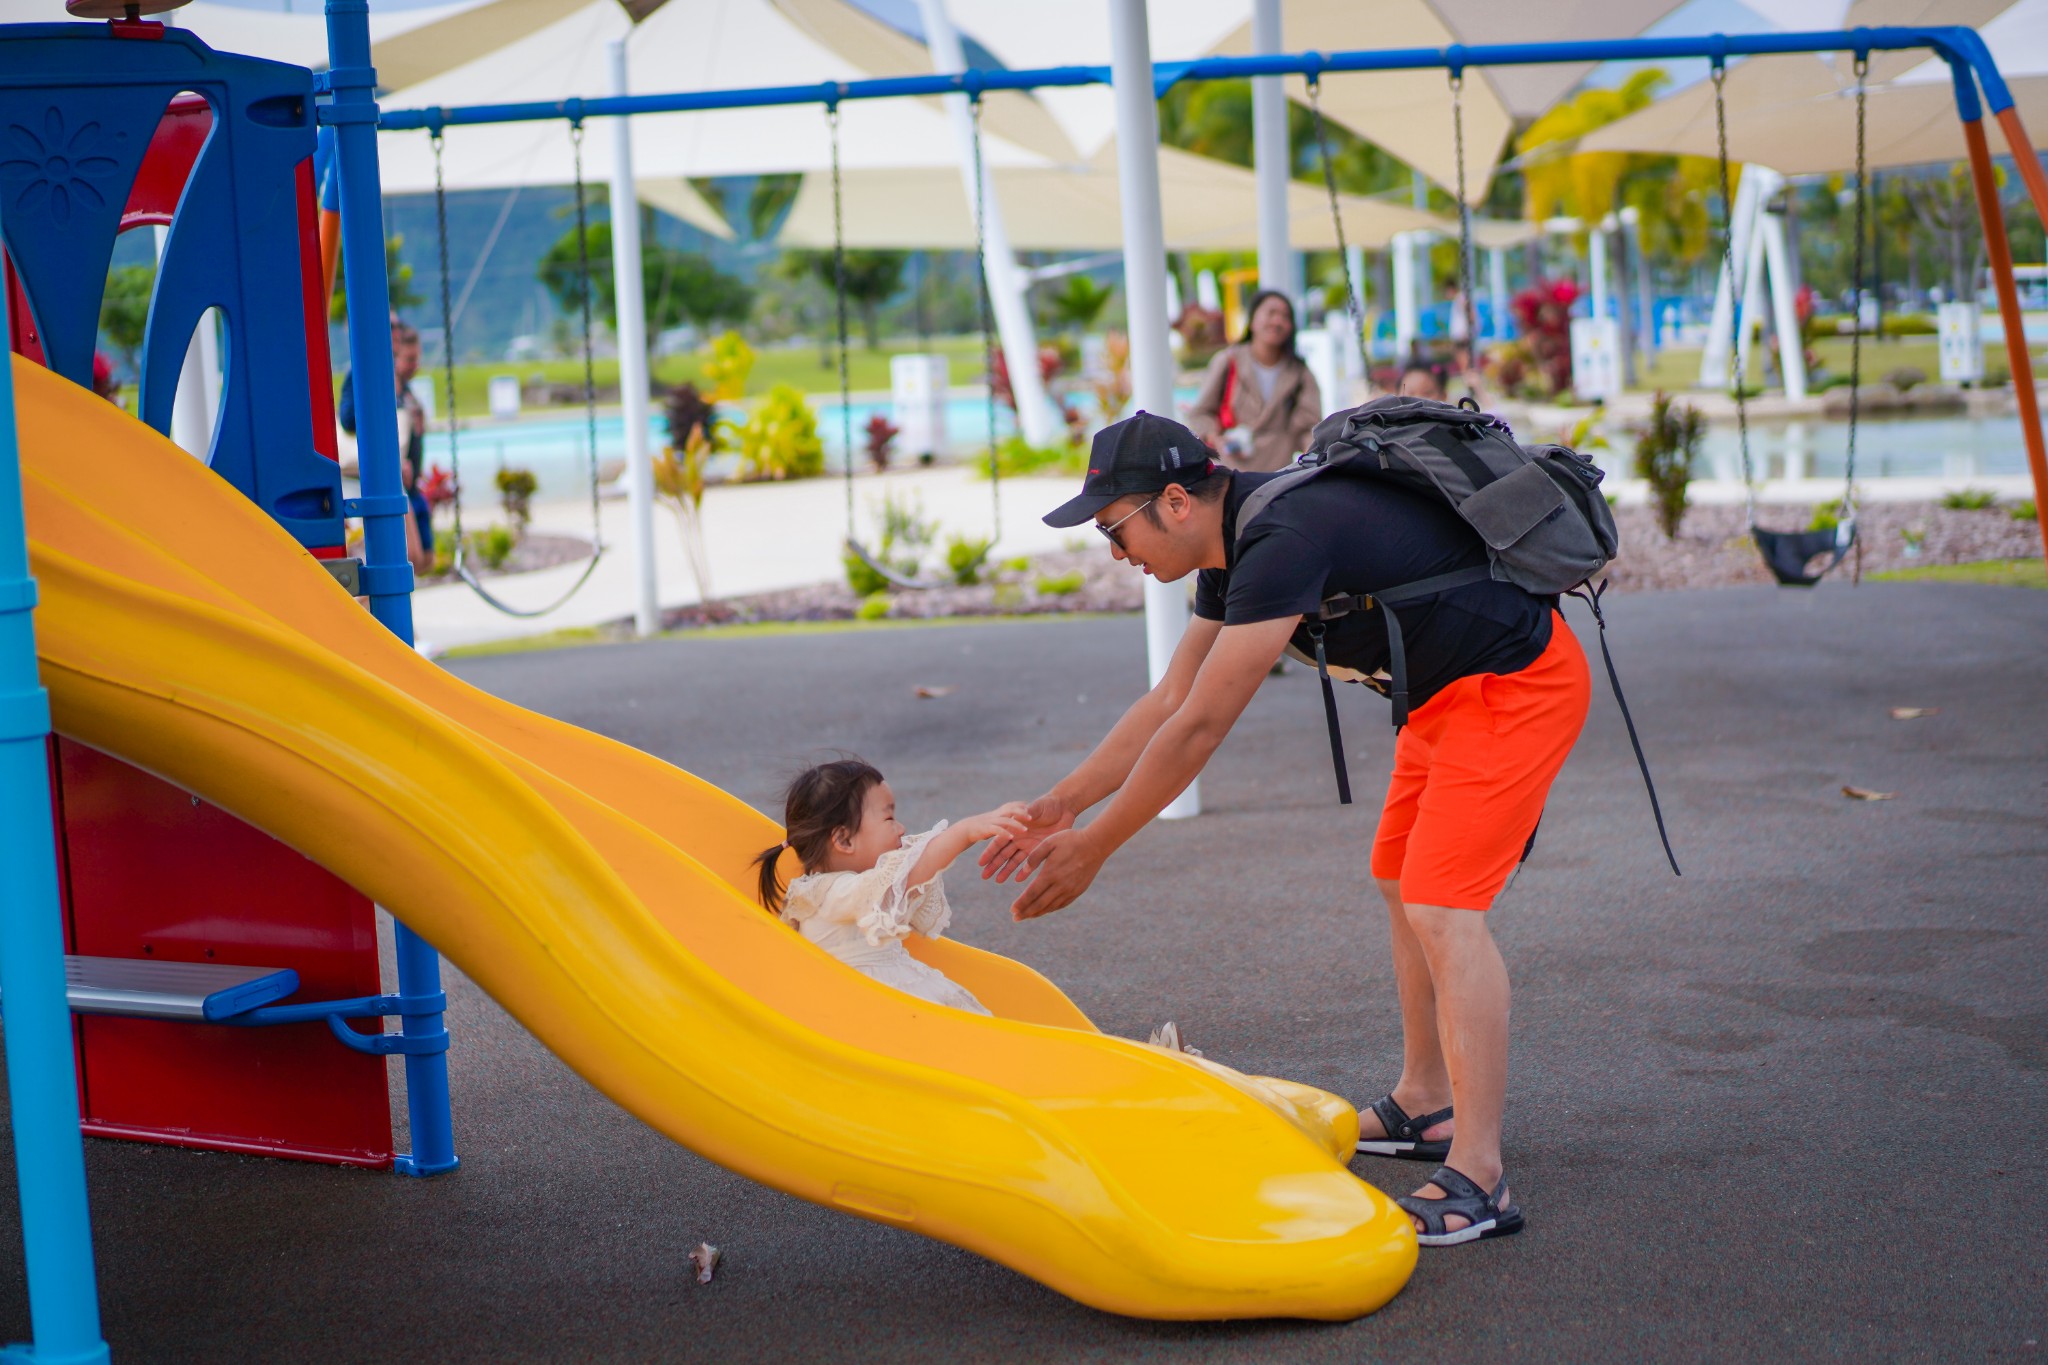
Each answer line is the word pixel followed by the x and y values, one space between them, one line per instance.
pixel 412 438
pixel 1421 381
pixel 1259 402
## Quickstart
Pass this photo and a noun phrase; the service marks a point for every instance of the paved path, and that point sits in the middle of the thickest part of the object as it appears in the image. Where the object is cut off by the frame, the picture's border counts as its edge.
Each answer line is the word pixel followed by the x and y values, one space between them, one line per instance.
pixel 1788 1107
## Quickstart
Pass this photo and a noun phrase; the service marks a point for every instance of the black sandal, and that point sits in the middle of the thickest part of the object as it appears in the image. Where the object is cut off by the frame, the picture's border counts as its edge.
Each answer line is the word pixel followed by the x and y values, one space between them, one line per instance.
pixel 1483 1215
pixel 1404 1135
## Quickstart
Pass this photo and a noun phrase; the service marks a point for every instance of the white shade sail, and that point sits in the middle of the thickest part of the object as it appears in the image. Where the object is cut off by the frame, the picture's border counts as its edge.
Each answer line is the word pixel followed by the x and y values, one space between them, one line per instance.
pixel 1407 113
pixel 1208 205
pixel 1797 114
pixel 684 45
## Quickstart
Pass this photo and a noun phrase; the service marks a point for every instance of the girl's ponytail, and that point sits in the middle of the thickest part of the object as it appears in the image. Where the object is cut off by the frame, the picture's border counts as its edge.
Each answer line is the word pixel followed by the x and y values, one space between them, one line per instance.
pixel 771 880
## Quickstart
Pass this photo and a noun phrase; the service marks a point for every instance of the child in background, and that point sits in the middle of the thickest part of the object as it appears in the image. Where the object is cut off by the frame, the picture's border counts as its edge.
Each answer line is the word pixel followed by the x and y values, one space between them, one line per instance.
pixel 865 886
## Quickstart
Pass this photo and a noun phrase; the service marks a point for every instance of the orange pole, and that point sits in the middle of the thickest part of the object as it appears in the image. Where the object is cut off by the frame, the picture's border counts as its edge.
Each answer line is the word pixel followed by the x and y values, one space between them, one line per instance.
pixel 2023 156
pixel 330 249
pixel 1999 253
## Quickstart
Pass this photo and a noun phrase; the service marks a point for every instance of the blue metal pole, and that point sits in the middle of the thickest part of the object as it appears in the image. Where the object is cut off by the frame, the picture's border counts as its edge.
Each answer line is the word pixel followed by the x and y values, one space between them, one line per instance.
pixel 1944 40
pixel 42 1081
pixel 386 574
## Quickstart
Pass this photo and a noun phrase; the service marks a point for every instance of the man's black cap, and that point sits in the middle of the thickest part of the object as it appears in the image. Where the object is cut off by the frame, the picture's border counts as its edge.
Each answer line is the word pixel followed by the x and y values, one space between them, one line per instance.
pixel 1141 454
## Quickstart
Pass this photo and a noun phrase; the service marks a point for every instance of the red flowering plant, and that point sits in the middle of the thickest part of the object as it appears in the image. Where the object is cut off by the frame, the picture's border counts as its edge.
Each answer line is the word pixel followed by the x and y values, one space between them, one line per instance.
pixel 1050 362
pixel 437 486
pixel 1544 313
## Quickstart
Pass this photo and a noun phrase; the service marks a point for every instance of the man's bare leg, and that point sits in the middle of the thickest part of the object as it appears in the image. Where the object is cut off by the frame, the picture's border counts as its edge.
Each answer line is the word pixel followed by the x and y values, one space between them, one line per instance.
pixel 1471 985
pixel 1425 1084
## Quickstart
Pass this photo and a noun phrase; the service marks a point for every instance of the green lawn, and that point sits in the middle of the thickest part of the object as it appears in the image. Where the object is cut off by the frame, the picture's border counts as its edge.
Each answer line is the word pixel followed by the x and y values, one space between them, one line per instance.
pixel 865 370
pixel 1677 368
pixel 2004 573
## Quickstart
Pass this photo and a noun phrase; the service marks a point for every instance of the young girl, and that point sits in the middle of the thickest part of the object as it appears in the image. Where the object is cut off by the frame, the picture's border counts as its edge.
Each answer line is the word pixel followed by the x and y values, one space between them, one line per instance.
pixel 864 885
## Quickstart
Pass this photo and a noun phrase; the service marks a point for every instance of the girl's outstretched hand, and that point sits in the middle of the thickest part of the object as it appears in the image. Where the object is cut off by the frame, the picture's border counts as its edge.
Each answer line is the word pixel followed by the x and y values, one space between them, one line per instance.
pixel 1006 821
pixel 1043 818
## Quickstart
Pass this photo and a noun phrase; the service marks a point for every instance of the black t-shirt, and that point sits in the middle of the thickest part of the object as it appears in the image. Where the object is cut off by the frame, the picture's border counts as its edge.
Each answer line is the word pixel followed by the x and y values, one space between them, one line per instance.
pixel 1337 535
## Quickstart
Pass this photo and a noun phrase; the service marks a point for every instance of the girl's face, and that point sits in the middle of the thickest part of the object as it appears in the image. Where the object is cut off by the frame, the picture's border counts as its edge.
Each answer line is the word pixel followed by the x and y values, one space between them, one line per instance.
pixel 1273 323
pixel 880 831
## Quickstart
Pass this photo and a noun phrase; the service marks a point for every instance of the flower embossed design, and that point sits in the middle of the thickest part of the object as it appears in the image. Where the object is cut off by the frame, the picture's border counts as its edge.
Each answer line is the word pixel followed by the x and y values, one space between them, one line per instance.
pixel 58 168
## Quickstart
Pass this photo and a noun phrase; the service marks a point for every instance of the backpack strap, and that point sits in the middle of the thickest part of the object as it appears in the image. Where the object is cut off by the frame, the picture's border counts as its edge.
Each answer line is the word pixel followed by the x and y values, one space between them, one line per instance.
pixel 1591 598
pixel 1397 653
pixel 1397 650
pixel 1315 632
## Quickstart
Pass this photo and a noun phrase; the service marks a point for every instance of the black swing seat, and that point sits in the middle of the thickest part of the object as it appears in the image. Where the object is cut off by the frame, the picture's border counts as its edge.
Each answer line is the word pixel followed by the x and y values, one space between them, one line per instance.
pixel 1787 553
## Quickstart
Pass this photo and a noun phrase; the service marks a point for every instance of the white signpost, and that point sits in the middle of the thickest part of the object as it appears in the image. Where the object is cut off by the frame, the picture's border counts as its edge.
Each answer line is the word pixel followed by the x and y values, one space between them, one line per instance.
pixel 917 401
pixel 1962 346
pixel 1596 359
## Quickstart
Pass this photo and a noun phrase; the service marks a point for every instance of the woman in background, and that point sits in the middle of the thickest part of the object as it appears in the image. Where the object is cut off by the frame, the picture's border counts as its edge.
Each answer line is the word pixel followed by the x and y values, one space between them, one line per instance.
pixel 1259 402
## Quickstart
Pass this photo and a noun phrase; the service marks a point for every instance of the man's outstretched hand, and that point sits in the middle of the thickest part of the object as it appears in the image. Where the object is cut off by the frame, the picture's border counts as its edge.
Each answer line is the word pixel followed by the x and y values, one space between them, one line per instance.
pixel 1060 868
pixel 1006 853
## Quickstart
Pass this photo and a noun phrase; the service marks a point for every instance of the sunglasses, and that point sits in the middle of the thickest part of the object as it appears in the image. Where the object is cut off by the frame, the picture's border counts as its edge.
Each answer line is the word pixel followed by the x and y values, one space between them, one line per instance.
pixel 1109 531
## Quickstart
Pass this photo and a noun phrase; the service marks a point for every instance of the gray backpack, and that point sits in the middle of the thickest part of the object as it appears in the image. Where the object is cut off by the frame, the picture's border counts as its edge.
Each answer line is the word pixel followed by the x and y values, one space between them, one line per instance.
pixel 1539 511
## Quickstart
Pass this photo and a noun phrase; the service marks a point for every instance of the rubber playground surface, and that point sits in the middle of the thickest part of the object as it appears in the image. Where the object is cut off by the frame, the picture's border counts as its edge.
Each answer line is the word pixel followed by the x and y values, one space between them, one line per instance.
pixel 1790 1103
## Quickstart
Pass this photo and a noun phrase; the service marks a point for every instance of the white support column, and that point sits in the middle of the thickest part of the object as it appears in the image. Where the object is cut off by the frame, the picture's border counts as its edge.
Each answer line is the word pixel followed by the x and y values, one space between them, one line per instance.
pixel 1596 245
pixel 1007 285
pixel 1137 122
pixel 1270 157
pixel 1406 315
pixel 629 290
pixel 1753 293
pixel 1497 290
pixel 1750 193
pixel 1631 240
pixel 1784 308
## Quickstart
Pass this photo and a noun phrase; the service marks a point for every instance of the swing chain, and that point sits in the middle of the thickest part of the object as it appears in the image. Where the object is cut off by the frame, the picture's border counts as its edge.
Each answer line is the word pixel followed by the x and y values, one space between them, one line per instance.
pixel 1735 291
pixel 1351 304
pixel 988 360
pixel 839 294
pixel 1856 326
pixel 447 343
pixel 589 360
pixel 1465 302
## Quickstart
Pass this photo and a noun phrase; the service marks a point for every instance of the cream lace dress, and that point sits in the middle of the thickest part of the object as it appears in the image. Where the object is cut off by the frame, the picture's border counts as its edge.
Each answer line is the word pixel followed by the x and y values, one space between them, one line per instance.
pixel 861 918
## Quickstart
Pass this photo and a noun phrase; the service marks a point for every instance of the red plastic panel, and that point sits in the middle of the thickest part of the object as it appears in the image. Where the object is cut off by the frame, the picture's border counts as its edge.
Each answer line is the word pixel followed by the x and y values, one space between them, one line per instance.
pixel 319 366
pixel 152 873
pixel 172 153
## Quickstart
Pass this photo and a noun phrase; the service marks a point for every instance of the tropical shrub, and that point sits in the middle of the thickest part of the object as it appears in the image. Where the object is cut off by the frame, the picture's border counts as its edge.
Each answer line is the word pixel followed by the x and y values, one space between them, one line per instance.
pixel 516 488
pixel 780 440
pixel 965 556
pixel 1665 449
pixel 728 360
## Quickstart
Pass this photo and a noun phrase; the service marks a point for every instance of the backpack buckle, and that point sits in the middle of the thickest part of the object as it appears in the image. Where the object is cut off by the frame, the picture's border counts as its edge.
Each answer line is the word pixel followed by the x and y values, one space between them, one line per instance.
pixel 1312 459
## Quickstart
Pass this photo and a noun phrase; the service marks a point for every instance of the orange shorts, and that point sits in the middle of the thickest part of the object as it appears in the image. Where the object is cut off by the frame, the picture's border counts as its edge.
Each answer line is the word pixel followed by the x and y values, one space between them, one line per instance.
pixel 1471 773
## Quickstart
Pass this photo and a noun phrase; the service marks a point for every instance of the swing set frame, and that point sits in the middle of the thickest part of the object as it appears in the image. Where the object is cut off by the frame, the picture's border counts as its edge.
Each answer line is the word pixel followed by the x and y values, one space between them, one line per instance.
pixel 47 1149
pixel 1969 60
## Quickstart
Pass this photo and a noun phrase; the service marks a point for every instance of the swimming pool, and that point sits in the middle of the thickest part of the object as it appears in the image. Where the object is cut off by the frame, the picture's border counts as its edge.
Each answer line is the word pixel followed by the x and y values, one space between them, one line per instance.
pixel 1886 447
pixel 553 447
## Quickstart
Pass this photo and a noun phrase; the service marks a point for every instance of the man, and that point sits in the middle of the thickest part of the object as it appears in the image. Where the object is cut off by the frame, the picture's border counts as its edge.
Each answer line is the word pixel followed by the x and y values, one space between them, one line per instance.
pixel 1499 690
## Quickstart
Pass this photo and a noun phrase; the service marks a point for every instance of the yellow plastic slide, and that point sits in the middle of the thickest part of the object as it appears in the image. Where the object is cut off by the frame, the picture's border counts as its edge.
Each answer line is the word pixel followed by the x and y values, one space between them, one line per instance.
pixel 599 895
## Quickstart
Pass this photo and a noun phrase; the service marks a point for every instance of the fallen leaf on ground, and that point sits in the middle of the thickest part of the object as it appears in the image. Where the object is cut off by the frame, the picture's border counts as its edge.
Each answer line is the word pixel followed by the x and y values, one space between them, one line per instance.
pixel 706 1258
pixel 1865 794
pixel 1914 712
pixel 927 693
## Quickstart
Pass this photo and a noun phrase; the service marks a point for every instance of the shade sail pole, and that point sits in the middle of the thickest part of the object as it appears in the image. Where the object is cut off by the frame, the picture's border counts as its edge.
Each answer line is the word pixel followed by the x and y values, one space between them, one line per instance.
pixel 1137 126
pixel 629 292
pixel 1007 284
pixel 1270 159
